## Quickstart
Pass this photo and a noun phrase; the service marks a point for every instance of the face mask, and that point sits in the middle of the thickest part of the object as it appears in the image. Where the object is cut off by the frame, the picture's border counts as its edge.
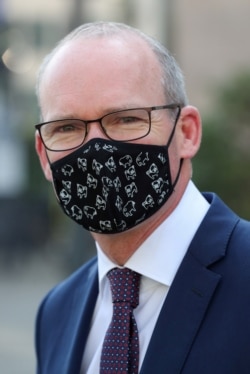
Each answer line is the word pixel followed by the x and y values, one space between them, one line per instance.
pixel 109 187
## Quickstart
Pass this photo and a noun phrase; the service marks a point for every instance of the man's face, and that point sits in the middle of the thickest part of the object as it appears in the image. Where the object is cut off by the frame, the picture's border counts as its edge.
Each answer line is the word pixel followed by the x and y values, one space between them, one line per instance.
pixel 89 78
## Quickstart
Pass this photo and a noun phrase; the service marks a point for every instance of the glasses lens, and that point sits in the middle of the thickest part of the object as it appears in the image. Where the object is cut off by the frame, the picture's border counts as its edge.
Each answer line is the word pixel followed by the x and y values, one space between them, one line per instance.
pixel 63 135
pixel 127 124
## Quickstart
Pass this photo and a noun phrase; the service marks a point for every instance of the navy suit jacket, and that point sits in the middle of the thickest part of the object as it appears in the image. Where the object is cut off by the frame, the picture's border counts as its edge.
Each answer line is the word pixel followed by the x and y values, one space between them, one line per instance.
pixel 204 324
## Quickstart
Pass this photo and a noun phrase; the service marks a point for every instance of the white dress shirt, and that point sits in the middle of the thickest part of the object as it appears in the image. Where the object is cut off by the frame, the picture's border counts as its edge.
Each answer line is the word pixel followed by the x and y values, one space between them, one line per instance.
pixel 158 260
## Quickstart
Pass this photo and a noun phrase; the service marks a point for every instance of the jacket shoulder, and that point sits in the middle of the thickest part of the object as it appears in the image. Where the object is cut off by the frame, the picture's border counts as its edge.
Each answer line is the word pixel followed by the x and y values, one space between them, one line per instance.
pixel 64 312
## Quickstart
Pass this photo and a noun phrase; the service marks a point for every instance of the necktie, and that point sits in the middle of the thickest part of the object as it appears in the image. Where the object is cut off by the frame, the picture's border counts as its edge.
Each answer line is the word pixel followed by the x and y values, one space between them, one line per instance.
pixel 120 351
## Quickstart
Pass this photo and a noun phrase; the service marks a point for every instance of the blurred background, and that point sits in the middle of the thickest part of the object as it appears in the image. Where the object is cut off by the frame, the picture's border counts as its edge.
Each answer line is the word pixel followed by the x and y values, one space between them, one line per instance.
pixel 39 246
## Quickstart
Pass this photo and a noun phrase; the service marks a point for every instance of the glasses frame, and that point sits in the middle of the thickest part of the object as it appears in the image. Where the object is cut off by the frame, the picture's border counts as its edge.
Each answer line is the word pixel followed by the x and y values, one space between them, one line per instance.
pixel 99 120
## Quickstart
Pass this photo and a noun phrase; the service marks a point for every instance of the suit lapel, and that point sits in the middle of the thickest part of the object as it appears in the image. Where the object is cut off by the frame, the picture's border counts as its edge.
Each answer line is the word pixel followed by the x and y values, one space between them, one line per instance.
pixel 190 294
pixel 180 318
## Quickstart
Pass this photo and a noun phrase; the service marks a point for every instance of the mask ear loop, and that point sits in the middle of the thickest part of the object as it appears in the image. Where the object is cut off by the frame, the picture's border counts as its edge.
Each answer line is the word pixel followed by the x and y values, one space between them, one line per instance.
pixel 175 123
pixel 168 143
pixel 178 174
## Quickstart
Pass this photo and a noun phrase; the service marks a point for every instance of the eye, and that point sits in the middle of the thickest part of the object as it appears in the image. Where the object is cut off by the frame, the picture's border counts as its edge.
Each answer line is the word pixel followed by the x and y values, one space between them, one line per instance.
pixel 128 119
pixel 67 126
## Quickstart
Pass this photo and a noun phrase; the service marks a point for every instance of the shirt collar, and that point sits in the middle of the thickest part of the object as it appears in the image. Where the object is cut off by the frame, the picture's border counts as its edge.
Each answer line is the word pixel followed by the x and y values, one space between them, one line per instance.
pixel 160 256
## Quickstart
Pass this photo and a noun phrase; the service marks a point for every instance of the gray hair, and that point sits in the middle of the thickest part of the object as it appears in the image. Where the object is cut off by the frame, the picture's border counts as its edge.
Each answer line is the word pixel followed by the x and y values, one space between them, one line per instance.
pixel 172 77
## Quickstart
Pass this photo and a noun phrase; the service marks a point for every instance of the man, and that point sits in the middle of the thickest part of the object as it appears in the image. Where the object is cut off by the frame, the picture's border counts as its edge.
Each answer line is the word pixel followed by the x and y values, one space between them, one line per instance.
pixel 117 140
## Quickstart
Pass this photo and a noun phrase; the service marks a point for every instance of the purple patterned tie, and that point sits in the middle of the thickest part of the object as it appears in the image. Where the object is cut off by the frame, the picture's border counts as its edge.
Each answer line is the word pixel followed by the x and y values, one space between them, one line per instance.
pixel 120 351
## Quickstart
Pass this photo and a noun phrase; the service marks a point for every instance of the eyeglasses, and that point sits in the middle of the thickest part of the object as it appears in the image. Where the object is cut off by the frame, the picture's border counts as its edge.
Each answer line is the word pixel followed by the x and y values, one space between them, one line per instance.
pixel 123 125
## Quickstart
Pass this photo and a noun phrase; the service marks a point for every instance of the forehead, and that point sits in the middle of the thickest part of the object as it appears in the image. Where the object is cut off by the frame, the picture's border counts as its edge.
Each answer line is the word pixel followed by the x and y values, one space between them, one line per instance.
pixel 101 53
pixel 100 67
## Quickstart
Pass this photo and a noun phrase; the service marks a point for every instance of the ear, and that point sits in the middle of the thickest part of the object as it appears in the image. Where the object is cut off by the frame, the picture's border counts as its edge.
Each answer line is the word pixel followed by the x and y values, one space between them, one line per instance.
pixel 42 154
pixel 190 132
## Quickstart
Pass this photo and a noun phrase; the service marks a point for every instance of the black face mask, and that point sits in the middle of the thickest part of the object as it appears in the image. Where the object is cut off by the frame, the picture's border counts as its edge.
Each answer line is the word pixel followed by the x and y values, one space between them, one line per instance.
pixel 110 187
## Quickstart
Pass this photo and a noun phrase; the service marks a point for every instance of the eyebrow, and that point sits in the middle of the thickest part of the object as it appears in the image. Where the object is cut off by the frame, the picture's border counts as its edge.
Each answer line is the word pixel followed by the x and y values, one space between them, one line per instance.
pixel 105 112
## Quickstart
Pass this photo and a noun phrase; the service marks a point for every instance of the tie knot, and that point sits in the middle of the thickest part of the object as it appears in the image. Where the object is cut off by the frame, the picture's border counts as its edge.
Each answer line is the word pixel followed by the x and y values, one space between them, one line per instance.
pixel 124 285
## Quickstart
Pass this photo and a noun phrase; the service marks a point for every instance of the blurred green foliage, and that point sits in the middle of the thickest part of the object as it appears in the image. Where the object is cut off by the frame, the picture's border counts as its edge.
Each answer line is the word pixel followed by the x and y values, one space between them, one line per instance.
pixel 223 162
